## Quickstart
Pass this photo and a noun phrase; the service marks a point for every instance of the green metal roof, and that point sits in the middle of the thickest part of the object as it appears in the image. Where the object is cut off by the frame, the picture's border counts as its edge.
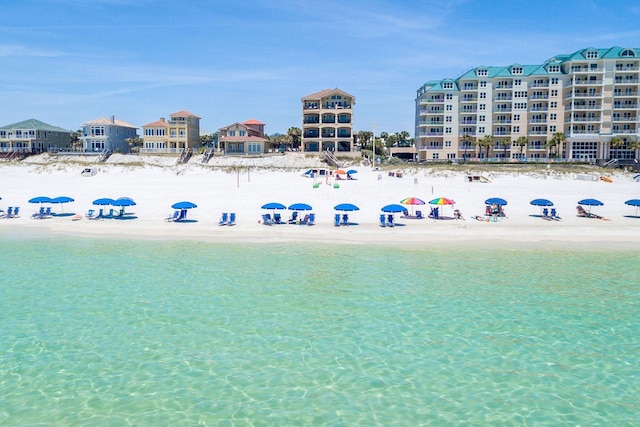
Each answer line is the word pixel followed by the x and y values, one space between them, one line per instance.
pixel 33 124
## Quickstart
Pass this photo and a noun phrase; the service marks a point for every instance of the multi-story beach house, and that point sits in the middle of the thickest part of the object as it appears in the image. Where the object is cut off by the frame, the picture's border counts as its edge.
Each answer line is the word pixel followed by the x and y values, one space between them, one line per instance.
pixel 181 132
pixel 33 136
pixel 244 138
pixel 327 122
pixel 579 106
pixel 107 135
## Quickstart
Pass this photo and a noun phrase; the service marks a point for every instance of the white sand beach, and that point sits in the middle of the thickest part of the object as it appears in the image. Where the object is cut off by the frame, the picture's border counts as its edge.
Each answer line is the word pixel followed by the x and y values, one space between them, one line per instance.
pixel 243 185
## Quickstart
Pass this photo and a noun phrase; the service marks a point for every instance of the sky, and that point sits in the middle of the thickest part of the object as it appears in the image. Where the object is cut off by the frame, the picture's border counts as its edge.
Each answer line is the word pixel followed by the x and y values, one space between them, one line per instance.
pixel 66 62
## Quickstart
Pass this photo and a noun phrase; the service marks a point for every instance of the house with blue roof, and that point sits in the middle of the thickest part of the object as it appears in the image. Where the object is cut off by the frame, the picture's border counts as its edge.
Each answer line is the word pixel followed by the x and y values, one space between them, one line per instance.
pixel 582 106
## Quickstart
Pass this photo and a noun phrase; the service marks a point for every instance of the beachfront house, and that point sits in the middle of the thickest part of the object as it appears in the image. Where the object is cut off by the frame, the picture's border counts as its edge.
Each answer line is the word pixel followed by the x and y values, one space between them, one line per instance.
pixel 327 122
pixel 244 138
pixel 32 136
pixel 581 106
pixel 175 136
pixel 107 135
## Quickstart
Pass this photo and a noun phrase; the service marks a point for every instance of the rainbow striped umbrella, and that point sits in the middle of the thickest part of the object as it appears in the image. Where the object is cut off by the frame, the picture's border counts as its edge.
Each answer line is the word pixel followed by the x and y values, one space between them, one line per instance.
pixel 442 201
pixel 411 201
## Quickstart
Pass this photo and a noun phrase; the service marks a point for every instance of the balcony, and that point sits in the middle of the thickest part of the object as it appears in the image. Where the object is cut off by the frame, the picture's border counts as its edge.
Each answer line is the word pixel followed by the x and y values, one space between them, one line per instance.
pixel 468 122
pixel 618 106
pixel 585 107
pixel 539 96
pixel 469 87
pixel 586 70
pixel 537 121
pixel 584 82
pixel 503 98
pixel 430 147
pixel 430 123
pixel 624 131
pixel 583 95
pixel 468 99
pixel 537 132
pixel 625 94
pixel 582 119
pixel 504 86
pixel 468 110
pixel 540 84
pixel 622 68
pixel 538 109
pixel 431 101
pixel 502 110
pixel 624 119
pixel 502 121
pixel 626 81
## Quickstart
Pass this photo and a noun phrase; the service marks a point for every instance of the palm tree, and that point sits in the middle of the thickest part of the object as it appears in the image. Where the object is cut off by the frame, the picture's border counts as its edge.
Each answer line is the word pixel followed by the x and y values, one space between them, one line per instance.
pixel 522 142
pixel 634 145
pixel 485 142
pixel 556 141
pixel 295 134
pixel 617 142
pixel 506 143
pixel 134 143
pixel 466 144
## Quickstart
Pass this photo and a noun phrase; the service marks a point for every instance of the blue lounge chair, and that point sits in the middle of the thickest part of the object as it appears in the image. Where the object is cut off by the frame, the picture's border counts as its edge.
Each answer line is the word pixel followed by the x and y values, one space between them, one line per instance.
pixel 312 219
pixel 39 214
pixel 266 219
pixel 172 218
pixel 294 218
pixel 336 220
pixel 224 219
pixel 232 219
pixel 9 212
pixel 277 218
pixel 554 215
pixel 182 216
pixel 47 212
pixel 345 219
pixel 304 220
pixel 91 214
pixel 419 214
pixel 15 214
pixel 390 222
pixel 545 214
pixel 383 221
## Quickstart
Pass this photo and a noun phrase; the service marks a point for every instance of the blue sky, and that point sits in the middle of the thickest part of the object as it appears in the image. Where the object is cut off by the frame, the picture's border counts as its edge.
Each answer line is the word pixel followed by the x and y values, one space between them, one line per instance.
pixel 66 62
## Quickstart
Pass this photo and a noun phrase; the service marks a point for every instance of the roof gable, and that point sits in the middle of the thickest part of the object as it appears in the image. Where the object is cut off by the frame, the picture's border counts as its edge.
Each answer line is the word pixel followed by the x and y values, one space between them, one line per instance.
pixel 34 124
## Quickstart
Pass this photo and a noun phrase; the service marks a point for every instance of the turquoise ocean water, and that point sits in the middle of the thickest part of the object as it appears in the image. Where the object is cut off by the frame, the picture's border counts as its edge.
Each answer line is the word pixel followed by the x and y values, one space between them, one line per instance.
pixel 115 333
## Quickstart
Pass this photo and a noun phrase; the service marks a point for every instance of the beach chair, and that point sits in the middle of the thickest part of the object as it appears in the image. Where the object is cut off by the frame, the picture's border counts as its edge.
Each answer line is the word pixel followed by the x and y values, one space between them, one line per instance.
pixel 390 222
pixel 312 219
pixel 554 215
pixel 545 214
pixel 47 212
pixel 223 219
pixel 266 219
pixel 2 213
pixel 91 214
pixel 277 218
pixel 434 213
pixel 383 220
pixel 294 217
pixel 171 218
pixel 182 216
pixel 9 212
pixel 39 214
pixel 305 220
pixel 345 219
pixel 336 220
pixel 232 219
pixel 16 212
pixel 419 214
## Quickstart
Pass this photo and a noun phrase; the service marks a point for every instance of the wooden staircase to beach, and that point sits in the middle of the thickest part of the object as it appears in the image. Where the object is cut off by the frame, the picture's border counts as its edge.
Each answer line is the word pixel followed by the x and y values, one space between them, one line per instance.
pixel 208 154
pixel 331 158
pixel 185 155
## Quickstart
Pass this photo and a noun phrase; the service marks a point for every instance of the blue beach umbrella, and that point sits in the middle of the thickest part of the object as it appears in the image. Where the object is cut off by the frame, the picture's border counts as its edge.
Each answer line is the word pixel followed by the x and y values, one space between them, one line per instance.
pixel 590 202
pixel 346 207
pixel 393 208
pixel 633 202
pixel 40 199
pixel 274 206
pixel 496 201
pixel 352 171
pixel 184 205
pixel 61 200
pixel 541 202
pixel 123 201
pixel 300 207
pixel 105 201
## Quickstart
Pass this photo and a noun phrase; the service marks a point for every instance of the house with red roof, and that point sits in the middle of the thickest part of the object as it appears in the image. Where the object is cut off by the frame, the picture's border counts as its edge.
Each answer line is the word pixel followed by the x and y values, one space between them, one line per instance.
pixel 244 138
pixel 181 132
pixel 327 121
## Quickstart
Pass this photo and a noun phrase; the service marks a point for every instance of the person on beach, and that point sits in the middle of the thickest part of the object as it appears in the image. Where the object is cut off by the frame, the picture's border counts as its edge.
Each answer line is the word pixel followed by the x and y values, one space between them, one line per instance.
pixel 458 215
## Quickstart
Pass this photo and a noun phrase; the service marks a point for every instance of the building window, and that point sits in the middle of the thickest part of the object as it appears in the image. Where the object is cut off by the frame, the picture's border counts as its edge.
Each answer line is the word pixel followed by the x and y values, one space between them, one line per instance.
pixel 449 107
pixel 483 84
pixel 481 118
pixel 483 95
pixel 517 82
pixel 435 156
pixel 554 80
pixel 627 52
pixel 554 68
pixel 520 94
pixel 552 128
pixel 482 72
pixel 516 129
pixel 592 54
pixel 447 143
pixel 553 104
pixel 482 107
pixel 232 133
pixel 449 96
pixel 553 116
pixel 447 85
pixel 447 119
pixel 242 133
pixel 516 117
pixel 516 70
pixel 447 130
pixel 554 92
pixel 481 129
pixel 520 105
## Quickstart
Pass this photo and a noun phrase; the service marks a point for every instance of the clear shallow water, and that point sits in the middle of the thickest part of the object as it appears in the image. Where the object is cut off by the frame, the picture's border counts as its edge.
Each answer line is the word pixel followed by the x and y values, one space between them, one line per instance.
pixel 106 332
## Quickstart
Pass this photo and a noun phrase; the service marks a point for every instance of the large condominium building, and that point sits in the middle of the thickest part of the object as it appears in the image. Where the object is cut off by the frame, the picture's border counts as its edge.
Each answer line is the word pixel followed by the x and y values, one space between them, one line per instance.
pixel 181 132
pixel 327 121
pixel 591 96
